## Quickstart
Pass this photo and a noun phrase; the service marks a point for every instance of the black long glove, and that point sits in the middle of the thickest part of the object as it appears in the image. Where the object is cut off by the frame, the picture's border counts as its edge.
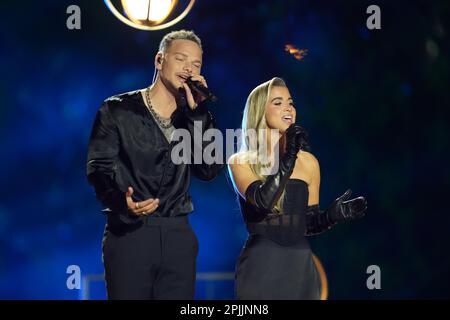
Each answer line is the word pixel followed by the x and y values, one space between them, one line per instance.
pixel 341 209
pixel 264 195
pixel 303 140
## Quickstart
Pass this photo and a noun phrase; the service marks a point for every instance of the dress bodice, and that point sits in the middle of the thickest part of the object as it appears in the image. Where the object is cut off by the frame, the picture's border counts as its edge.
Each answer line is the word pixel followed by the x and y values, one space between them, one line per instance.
pixel 285 228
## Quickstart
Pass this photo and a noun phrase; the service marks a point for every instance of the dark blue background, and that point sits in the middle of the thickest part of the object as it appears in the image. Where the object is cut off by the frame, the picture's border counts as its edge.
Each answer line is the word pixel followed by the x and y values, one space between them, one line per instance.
pixel 375 104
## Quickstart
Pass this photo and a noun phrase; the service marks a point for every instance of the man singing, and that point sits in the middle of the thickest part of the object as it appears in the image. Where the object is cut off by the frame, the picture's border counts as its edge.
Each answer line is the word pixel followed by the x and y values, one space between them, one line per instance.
pixel 149 247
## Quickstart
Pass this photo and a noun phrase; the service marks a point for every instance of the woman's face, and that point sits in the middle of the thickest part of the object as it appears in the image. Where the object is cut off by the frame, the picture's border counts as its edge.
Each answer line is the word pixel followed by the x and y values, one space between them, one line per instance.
pixel 280 109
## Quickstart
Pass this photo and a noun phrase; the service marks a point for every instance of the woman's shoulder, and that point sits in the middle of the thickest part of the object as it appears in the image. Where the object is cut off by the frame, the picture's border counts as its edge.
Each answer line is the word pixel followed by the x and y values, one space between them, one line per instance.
pixel 308 159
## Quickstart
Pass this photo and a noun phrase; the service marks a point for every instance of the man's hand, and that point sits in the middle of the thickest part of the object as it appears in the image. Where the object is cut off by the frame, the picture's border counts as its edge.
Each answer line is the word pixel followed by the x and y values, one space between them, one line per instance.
pixel 143 207
pixel 193 102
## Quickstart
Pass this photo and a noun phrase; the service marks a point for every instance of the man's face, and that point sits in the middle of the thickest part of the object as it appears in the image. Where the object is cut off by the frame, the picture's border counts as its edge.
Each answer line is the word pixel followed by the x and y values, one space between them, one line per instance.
pixel 182 59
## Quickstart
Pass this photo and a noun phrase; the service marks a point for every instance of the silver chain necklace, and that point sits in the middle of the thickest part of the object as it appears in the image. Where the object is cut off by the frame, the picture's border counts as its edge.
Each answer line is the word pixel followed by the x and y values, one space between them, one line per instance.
pixel 163 122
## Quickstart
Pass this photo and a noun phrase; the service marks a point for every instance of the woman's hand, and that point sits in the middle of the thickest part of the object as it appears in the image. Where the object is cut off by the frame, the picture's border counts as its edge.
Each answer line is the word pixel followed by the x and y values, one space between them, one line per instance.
pixel 344 209
pixel 293 139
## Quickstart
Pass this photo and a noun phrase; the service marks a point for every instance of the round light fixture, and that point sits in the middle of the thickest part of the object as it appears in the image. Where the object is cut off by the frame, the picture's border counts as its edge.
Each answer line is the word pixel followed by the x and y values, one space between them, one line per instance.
pixel 148 14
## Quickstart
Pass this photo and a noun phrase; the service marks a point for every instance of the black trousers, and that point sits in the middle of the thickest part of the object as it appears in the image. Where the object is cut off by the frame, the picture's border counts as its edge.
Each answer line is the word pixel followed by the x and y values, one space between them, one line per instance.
pixel 153 260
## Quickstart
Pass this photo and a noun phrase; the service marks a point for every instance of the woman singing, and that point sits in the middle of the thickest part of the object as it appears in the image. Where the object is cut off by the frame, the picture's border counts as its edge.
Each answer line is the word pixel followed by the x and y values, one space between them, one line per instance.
pixel 280 207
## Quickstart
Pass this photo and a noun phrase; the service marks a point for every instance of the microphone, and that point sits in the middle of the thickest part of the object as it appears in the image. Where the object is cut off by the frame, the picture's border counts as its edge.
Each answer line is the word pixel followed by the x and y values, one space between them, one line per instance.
pixel 200 88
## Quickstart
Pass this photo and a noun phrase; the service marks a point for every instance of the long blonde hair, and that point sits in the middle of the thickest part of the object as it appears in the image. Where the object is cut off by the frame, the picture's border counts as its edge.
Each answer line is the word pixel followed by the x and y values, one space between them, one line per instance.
pixel 254 119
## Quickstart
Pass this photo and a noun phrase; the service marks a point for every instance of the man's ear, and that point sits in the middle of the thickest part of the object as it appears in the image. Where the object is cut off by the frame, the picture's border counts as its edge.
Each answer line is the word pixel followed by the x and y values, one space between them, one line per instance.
pixel 159 60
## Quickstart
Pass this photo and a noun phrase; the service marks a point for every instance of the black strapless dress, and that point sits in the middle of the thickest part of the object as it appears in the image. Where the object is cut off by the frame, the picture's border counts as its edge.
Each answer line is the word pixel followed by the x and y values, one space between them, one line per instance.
pixel 276 261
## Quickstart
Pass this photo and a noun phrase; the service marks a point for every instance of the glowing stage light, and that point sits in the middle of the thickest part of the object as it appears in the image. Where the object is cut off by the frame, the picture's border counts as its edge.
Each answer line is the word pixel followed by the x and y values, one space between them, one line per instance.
pixel 148 14
pixel 141 11
pixel 298 54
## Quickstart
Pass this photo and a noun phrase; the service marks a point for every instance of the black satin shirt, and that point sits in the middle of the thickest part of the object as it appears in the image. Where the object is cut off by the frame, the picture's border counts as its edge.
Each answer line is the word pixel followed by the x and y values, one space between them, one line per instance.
pixel 128 148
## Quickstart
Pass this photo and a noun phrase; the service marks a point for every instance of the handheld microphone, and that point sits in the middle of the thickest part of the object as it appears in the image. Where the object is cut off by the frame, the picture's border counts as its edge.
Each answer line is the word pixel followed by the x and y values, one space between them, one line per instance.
pixel 200 88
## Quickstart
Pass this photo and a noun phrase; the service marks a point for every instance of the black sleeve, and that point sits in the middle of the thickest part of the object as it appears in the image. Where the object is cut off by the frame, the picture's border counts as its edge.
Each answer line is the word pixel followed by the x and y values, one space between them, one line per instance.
pixel 103 150
pixel 204 119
